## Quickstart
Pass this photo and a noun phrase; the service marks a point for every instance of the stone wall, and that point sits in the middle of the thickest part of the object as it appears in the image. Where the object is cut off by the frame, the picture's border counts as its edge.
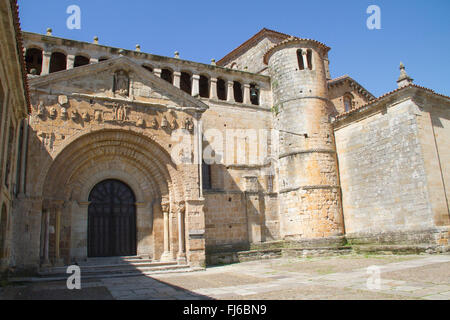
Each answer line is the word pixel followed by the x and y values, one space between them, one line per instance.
pixel 252 59
pixel 13 109
pixel 241 139
pixel 383 174
pixel 440 117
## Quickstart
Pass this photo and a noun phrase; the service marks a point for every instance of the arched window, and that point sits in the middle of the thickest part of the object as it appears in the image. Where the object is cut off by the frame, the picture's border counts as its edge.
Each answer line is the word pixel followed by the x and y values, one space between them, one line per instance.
pixel 58 62
pixel 167 74
pixel 348 102
pixel 301 65
pixel 185 82
pixel 81 61
pixel 149 68
pixel 254 94
pixel 221 89
pixel 3 221
pixel 237 88
pixel 33 59
pixel 204 87
pixel 309 58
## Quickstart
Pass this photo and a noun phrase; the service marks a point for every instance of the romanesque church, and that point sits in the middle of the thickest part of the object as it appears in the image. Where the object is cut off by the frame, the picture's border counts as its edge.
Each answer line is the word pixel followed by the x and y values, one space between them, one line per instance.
pixel 109 152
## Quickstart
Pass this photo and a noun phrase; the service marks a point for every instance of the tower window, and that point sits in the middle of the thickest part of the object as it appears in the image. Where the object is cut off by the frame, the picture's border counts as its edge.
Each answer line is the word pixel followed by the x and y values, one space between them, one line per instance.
pixel 301 65
pixel 309 58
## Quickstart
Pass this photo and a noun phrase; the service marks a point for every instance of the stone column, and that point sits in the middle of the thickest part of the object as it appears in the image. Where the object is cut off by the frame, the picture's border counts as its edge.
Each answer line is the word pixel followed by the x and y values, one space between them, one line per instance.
pixel 70 61
pixel 177 79
pixel 46 56
pixel 24 156
pixel 230 92
pixel 305 59
pixel 93 60
pixel 213 89
pixel 58 260
pixel 167 255
pixel 181 259
pixel 247 94
pixel 195 85
pixel 198 149
pixel 157 72
pixel 46 262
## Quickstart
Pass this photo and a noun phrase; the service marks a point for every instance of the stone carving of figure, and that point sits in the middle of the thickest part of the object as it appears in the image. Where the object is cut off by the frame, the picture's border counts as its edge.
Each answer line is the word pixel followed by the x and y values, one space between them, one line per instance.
pixel 189 125
pixel 164 123
pixel 121 83
pixel 86 116
pixel 120 113
pixel 41 109
pixel 74 115
pixel 63 113
pixel 174 124
pixel 154 124
pixel 53 113
pixel 98 115
pixel 140 122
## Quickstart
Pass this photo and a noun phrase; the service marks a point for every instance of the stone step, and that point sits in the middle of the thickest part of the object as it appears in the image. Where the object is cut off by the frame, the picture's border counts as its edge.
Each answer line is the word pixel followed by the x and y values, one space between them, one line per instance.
pixel 114 270
pixel 106 274
pixel 142 266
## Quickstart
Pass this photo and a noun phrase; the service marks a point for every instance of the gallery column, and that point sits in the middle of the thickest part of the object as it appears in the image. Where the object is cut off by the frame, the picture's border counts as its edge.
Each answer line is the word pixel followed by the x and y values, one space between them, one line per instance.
pixel 181 259
pixel 167 255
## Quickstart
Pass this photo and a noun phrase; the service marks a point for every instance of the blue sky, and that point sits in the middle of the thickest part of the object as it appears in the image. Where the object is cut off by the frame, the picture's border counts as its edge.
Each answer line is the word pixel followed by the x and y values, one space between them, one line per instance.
pixel 415 32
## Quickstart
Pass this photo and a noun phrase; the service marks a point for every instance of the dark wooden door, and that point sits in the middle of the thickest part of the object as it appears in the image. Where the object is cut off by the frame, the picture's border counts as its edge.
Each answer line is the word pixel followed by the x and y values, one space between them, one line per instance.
pixel 112 220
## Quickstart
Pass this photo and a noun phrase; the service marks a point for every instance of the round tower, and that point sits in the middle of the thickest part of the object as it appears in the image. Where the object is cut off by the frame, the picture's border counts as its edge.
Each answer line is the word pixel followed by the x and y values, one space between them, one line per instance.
pixel 309 191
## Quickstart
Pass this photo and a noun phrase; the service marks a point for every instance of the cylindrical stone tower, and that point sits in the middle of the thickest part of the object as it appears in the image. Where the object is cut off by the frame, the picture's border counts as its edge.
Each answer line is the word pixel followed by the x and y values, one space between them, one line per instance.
pixel 309 191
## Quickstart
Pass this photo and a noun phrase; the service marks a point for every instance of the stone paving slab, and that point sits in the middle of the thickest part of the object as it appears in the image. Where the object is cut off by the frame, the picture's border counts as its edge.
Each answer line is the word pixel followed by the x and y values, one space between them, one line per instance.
pixel 344 277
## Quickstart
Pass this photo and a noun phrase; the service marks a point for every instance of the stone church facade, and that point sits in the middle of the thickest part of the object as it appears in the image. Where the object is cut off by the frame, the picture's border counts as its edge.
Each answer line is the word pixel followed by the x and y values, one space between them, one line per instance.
pixel 132 154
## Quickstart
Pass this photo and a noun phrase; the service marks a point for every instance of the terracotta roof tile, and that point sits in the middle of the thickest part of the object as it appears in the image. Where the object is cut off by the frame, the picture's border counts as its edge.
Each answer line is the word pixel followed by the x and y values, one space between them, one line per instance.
pixel 19 39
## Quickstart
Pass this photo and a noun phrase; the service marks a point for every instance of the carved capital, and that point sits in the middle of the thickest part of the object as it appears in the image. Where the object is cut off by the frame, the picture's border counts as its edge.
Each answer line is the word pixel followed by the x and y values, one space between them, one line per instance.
pixel 182 207
pixel 165 206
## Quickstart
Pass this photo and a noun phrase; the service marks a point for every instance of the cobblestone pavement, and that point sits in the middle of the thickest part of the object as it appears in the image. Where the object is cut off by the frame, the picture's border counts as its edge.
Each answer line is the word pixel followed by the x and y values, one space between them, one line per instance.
pixel 343 277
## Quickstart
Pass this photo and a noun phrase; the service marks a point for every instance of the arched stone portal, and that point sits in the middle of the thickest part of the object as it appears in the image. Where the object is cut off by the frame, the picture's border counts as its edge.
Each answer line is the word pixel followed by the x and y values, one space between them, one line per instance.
pixel 134 160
